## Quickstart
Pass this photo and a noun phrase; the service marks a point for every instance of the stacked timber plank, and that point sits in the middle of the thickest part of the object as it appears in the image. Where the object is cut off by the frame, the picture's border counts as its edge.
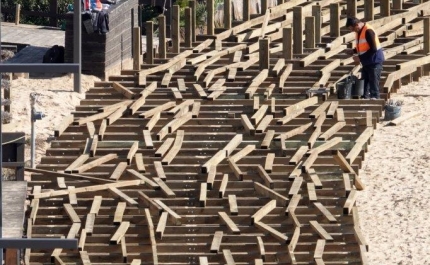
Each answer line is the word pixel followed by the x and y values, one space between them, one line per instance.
pixel 230 150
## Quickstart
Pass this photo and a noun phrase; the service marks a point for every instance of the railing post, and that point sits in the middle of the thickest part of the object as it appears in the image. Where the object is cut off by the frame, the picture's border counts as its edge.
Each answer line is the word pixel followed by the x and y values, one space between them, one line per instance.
pixel 287 43
pixel 162 36
pixel 175 29
pixel 316 12
pixel 227 14
pixel 369 11
pixel 149 26
pixel 137 45
pixel 310 32
pixel 297 30
pixel 210 22
pixel 334 20
pixel 17 14
pixel 192 6
pixel 188 26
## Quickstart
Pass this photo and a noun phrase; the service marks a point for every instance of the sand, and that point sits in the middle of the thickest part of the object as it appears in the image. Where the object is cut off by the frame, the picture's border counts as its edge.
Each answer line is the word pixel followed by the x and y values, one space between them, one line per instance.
pixel 394 207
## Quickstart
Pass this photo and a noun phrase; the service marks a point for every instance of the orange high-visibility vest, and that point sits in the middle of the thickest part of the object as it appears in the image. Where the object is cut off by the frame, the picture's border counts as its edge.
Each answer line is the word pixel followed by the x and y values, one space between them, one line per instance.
pixel 362 45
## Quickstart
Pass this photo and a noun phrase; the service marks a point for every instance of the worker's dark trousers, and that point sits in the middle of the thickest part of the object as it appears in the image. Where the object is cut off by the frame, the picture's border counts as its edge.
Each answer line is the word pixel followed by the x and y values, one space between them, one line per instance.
pixel 371 75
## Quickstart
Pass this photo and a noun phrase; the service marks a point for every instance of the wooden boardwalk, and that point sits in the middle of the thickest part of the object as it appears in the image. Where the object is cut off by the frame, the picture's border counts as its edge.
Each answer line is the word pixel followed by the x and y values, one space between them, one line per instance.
pixel 233 149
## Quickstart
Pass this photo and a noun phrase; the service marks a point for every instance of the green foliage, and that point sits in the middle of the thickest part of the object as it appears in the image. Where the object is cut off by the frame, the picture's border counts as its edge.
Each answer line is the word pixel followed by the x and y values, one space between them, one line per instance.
pixel 33 5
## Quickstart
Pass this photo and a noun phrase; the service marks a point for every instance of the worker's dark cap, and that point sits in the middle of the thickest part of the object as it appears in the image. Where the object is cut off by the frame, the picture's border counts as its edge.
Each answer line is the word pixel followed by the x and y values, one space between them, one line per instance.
pixel 351 21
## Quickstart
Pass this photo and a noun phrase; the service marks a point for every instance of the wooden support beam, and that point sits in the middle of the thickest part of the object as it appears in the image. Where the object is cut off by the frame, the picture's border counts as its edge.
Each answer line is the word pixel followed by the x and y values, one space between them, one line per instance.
pixel 369 12
pixel 223 186
pixel 210 26
pixel 259 114
pixel 127 93
pixel 325 212
pixel 287 43
pixel 143 179
pixel 316 13
pixel 261 249
pixel 227 14
pixel 175 29
pixel 236 170
pixel 264 55
pixel 74 230
pixel 152 237
pixel 334 20
pixel 73 200
pixel 319 249
pixel 85 258
pixel 268 165
pixel 164 147
pixel 242 153
pixel 77 163
pixel 214 161
pixel 295 187
pixel 385 8
pixel 350 202
pixel 82 239
pixel 228 257
pixel 148 202
pixel 332 130
pixel 351 8
pixel 285 74
pixel 132 151
pixel 295 131
pixel 233 144
pixel 175 148
pixel 266 178
pixel 300 152
pixel 91 129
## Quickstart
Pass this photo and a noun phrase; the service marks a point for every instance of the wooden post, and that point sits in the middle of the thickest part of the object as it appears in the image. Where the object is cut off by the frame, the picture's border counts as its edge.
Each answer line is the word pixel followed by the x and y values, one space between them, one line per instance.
pixel 264 54
pixel 310 32
pixel 297 30
pixel 334 20
pixel 369 12
pixel 351 7
pixel 175 29
pixel 210 26
pixel 316 12
pixel 188 26
pixel 192 5
pixel 162 36
pixel 246 10
pixel 227 14
pixel 264 6
pixel 385 8
pixel 426 48
pixel 149 42
pixel 53 10
pixel 17 13
pixel 398 4
pixel 287 43
pixel 137 46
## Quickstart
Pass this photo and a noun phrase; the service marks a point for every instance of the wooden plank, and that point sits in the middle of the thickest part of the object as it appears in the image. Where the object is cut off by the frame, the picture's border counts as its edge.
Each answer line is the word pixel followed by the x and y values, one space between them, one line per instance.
pixel 91 129
pixel 34 209
pixel 118 171
pixel 150 125
pixel 321 231
pixel 211 177
pixel 132 152
pixel 152 237
pixel 319 249
pixel 119 213
pixel 230 224
pixel 298 155
pixel 89 223
pixel 346 167
pixel 233 144
pixel 325 212
pixel 294 238
pixel 280 199
pixel 74 230
pixel 124 249
pixel 285 74
pixel 264 123
pixel 73 200
pixel 295 187
pixel 300 105
pixel 216 242
pixel 175 217
pixel 311 192
pixel 63 125
pixel 350 202
pixel 242 153
pixel 140 165
pixel 161 226
pixel 164 147
pixel 93 147
pixel 73 190
pixel 223 186
pixel 82 239
pixel 266 178
pixel 158 109
pixel 95 206
pixel 127 93
pixel 119 233
pixel 116 193
pixel 263 211
pixel 96 163
pixel 332 130
pixel 85 258
pixel 148 202
pixel 320 110
pixel 332 109
pixel 143 179
pixel 295 131
pixel 247 124
pixel 102 129
pixel 159 170
pixel 236 170
pixel 314 136
pixel 71 213
pixel 261 248
pixel 61 183
pixel 228 257
pixel 177 144
pixel 164 188
pixel 315 179
pixel 268 165
pixel 234 210
pixel 77 163
pixel 276 234
pixel 214 161
pixel 259 114
pixel 196 109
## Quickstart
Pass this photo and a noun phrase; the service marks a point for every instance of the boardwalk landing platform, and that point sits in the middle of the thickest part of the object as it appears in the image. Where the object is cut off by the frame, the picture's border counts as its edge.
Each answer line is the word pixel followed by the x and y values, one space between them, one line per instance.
pixel 13 200
pixel 38 38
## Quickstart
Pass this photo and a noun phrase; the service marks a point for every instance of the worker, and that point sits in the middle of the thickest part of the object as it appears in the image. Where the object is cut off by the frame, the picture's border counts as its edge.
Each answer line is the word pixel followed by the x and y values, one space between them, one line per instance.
pixel 369 54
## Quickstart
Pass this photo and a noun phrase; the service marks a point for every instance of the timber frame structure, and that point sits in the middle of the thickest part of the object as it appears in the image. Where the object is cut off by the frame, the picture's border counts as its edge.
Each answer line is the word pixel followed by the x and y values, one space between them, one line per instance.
pixel 227 148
